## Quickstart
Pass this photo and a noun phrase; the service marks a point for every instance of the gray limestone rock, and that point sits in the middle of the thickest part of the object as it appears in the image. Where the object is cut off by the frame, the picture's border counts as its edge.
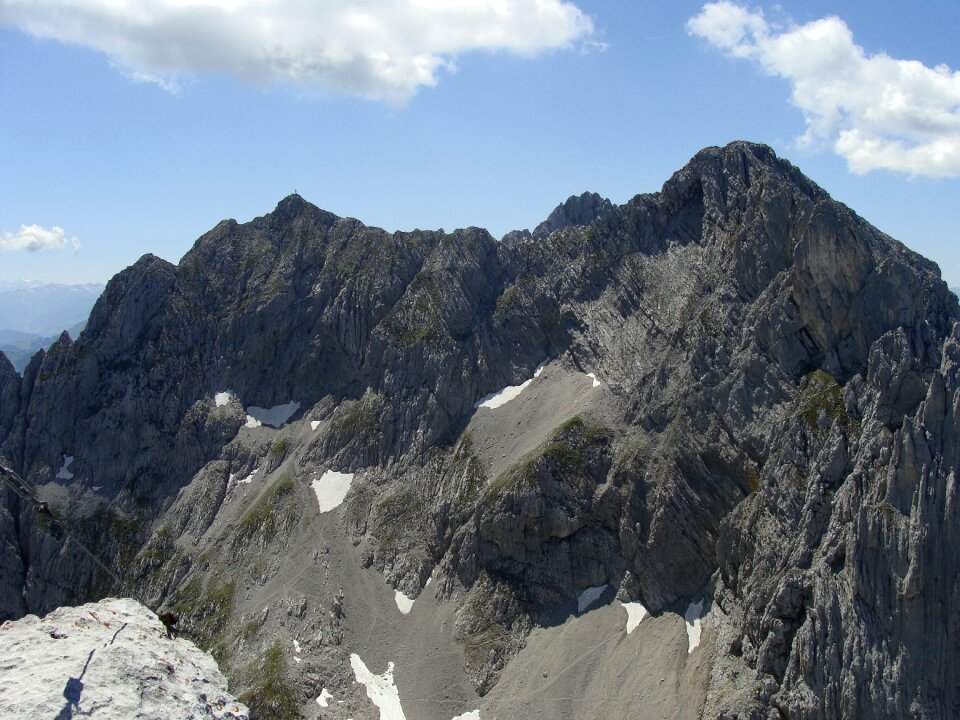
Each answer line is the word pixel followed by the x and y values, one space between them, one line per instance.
pixel 111 659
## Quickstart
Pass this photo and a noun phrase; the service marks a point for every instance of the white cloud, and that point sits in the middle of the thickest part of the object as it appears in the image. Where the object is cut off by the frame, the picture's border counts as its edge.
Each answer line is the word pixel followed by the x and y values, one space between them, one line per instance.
pixel 877 112
pixel 381 49
pixel 35 237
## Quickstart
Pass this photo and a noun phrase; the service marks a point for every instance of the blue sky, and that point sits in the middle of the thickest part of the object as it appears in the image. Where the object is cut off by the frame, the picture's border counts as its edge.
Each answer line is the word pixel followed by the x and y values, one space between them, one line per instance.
pixel 118 140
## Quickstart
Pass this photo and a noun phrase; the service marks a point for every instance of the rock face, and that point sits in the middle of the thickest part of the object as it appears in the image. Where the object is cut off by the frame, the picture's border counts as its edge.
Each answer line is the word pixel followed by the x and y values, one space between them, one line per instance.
pixel 576 210
pixel 110 659
pixel 733 402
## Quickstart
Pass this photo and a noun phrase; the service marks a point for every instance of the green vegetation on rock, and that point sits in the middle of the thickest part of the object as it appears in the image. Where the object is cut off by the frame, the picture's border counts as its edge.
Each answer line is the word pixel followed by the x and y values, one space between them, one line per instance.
pixel 565 453
pixel 275 509
pixel 271 697
pixel 822 393
pixel 361 417
pixel 279 448
pixel 204 613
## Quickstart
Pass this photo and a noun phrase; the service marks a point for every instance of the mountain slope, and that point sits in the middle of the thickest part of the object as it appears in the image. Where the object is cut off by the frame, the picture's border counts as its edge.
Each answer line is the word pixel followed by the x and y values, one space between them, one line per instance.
pixel 733 404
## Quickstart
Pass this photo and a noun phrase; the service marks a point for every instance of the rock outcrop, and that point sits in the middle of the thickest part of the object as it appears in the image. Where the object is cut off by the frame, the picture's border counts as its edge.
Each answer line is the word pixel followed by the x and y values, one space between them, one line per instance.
pixel 582 209
pixel 732 401
pixel 111 659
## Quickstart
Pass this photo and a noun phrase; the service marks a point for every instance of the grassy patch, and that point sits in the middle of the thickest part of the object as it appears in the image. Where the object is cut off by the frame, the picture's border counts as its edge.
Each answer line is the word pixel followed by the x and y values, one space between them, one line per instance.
pixel 822 393
pixel 566 454
pixel 279 449
pixel 271 697
pixel 514 478
pixel 414 335
pixel 159 549
pixel 119 537
pixel 272 511
pixel 362 417
pixel 251 628
pixel 753 480
pixel 468 467
pixel 204 614
pixel 505 300
pixel 474 476
pixel 397 514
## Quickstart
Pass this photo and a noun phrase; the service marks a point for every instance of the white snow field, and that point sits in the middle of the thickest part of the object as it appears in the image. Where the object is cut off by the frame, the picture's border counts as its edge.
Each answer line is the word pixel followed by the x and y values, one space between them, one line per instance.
pixel 404 603
pixel 107 660
pixel 692 618
pixel 232 482
pixel 589 596
pixel 331 489
pixel 635 615
pixel 323 700
pixel 275 416
pixel 593 377
pixel 222 398
pixel 64 473
pixel 381 689
pixel 502 397
pixel 314 424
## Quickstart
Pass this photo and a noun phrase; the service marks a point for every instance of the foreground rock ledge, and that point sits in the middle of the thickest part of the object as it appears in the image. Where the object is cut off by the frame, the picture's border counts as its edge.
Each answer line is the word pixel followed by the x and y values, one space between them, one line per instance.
pixel 110 659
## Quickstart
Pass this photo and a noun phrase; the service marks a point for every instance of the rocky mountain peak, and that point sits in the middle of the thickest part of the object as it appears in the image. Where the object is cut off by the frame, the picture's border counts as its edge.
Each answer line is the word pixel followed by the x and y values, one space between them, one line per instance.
pixel 727 403
pixel 580 209
pixel 576 210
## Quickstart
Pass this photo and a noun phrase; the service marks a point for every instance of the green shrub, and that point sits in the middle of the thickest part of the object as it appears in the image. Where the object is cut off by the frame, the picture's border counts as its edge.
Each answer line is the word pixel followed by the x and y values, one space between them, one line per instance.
pixel 271 697
pixel 823 393
pixel 279 448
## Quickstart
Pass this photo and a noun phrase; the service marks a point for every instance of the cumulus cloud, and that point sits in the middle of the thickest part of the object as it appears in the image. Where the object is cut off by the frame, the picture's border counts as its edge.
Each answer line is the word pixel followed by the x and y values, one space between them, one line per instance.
pixel 380 49
pixel 33 238
pixel 877 112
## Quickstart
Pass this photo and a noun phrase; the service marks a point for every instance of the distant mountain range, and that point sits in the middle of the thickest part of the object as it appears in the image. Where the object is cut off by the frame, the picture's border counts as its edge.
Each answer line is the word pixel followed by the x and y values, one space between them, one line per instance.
pixel 34 314
pixel 19 347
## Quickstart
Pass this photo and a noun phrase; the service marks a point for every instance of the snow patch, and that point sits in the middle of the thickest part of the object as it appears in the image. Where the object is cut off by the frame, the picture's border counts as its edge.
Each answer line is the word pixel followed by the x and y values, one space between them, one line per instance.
pixel 635 615
pixel 331 489
pixel 498 399
pixel 275 416
pixel 249 478
pixel 380 689
pixel 296 647
pixel 589 596
pixel 692 617
pixel 222 398
pixel 64 473
pixel 314 424
pixel 592 376
pixel 325 698
pixel 472 715
pixel 404 603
